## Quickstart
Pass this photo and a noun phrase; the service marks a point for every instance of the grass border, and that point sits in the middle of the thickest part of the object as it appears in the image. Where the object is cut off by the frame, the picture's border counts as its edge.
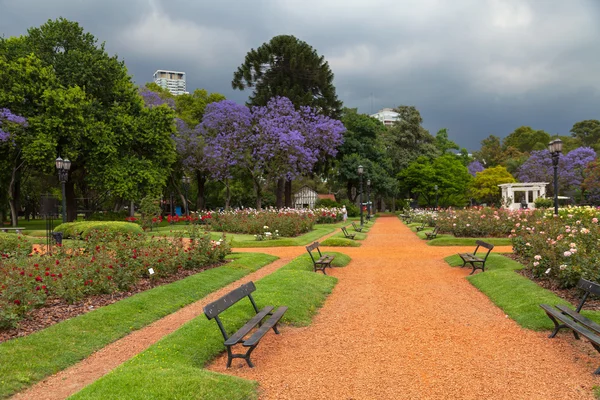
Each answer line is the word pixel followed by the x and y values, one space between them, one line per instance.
pixel 177 361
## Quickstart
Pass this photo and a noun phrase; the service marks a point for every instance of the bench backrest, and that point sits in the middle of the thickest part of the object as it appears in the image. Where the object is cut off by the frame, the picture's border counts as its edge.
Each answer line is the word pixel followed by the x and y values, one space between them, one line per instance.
pixel 218 306
pixel 312 247
pixel 590 288
pixel 483 244
pixel 353 224
pixel 435 230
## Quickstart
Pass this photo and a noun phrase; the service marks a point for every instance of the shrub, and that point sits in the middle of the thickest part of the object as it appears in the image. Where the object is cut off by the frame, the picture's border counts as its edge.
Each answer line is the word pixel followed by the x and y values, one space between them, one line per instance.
pixel 150 209
pixel 542 202
pixel 76 230
pixel 13 245
pixel 289 222
pixel 105 262
pixel 327 203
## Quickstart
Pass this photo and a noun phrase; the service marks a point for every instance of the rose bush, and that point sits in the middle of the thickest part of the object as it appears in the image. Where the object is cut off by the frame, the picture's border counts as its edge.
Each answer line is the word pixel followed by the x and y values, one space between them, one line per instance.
pixel 105 262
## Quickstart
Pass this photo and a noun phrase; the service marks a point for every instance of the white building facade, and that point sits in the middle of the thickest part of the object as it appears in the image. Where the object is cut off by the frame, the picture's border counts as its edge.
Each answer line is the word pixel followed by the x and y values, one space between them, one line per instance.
pixel 387 116
pixel 522 195
pixel 173 81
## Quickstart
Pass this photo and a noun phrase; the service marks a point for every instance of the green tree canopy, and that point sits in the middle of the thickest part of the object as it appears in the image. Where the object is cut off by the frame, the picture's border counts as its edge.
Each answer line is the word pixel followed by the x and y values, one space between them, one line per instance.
pixel 588 132
pixel 526 139
pixel 485 185
pixel 288 67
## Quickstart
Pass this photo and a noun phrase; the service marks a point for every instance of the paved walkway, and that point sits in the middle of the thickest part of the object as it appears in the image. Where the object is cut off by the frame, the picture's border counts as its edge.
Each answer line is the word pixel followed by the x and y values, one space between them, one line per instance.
pixel 401 324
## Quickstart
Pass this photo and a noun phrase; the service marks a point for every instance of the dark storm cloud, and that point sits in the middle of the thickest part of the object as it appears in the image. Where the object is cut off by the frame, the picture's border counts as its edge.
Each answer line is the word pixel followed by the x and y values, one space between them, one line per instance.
pixel 476 67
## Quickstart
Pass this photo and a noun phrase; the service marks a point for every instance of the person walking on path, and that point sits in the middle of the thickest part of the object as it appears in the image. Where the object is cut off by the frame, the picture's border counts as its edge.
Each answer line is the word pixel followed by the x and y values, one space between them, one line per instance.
pixel 344 213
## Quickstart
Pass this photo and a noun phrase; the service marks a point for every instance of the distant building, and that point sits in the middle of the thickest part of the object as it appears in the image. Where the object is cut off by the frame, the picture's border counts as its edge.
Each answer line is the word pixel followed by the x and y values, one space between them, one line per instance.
pixel 173 81
pixel 306 197
pixel 387 116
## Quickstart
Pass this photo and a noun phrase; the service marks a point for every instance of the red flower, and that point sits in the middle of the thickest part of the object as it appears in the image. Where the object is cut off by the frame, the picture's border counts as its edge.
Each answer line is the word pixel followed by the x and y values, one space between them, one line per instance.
pixel 36 265
pixel 38 278
pixel 17 302
pixel 22 273
pixel 57 262
pixel 37 288
pixel 47 273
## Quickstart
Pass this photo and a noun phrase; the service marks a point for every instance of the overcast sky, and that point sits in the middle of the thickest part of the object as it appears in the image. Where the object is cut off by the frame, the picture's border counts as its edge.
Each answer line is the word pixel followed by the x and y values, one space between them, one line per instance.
pixel 476 67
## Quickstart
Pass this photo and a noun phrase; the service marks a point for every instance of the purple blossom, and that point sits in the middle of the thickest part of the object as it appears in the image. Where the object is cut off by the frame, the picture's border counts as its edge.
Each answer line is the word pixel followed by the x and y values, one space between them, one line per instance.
pixel 571 167
pixel 6 119
pixel 475 167
pixel 153 99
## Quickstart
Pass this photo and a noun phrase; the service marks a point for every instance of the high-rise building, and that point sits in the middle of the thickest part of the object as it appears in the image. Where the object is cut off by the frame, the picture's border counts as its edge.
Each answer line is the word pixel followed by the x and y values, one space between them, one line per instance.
pixel 173 81
pixel 387 116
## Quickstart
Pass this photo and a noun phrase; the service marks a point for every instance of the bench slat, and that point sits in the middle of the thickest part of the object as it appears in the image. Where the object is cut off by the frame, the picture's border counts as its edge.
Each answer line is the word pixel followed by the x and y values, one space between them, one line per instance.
pixel 260 332
pixel 218 306
pixel 243 331
pixel 579 318
pixel 591 336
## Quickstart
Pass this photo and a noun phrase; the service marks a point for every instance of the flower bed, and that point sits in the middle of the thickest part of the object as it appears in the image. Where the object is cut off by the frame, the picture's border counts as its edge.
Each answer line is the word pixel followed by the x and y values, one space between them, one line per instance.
pixel 287 222
pixel 479 221
pixel 103 263
pixel 559 248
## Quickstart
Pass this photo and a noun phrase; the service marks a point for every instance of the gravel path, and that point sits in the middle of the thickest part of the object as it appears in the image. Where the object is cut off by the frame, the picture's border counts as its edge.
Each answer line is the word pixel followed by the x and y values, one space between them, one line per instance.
pixel 401 324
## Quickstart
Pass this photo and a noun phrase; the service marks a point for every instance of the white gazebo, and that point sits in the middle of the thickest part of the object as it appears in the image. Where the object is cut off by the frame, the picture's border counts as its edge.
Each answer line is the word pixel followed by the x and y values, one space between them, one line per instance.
pixel 525 193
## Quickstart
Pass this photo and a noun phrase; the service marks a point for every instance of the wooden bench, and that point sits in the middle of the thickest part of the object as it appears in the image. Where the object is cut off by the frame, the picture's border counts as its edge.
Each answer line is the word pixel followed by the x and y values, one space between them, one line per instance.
pixel 432 234
pixel 356 227
pixel 472 258
pixel 423 226
pixel 215 308
pixel 348 236
pixel 8 229
pixel 406 218
pixel 564 317
pixel 322 261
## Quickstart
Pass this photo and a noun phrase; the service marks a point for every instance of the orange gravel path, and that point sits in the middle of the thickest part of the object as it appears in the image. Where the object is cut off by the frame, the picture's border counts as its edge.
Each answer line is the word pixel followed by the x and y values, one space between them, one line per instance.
pixel 401 324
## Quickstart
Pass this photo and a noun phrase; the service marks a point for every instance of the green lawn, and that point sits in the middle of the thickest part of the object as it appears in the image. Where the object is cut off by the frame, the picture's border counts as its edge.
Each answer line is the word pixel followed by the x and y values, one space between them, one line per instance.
pixel 27 360
pixel 449 240
pixel 173 367
pixel 517 296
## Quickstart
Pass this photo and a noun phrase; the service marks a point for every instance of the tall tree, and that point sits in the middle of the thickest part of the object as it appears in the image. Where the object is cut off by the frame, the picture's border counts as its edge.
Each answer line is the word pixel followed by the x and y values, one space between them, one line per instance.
pixel 443 143
pixel 291 68
pixel 526 139
pixel 588 131
pixel 485 185
pixel 288 67
pixel 490 153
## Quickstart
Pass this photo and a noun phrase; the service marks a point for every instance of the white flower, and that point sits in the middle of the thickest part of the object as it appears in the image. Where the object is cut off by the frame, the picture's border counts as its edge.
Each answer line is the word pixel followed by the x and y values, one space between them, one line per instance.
pixel 563 267
pixel 468 224
pixel 537 257
pixel 572 245
pixel 548 271
pixel 567 253
pixel 528 244
pixel 535 263
pixel 573 250
pixel 265 227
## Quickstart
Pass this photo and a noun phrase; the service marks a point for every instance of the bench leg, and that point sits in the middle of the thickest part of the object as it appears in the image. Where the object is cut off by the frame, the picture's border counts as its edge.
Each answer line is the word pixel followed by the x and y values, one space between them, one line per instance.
pixel 231 356
pixel 557 327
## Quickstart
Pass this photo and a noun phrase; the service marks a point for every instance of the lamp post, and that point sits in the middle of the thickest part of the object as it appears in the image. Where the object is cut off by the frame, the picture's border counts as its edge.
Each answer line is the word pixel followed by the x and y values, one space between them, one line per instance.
pixel 368 199
pixel 63 167
pixel 555 148
pixel 436 196
pixel 360 176
pixel 186 186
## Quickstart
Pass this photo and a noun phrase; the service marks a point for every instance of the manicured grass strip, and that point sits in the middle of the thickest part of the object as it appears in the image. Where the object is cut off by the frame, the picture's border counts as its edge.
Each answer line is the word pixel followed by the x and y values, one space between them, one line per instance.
pixel 517 296
pixel 27 360
pixel 172 368
pixel 449 240
pixel 339 242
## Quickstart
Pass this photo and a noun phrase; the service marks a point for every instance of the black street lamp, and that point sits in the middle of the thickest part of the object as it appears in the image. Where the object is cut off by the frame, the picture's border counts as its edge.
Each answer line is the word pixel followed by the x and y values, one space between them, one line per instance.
pixel 555 148
pixel 63 167
pixel 360 175
pixel 186 186
pixel 368 199
pixel 436 196
pixel 172 206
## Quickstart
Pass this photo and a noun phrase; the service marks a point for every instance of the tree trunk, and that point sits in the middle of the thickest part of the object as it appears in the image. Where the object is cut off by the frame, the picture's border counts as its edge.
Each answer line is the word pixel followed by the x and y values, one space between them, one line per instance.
pixel 131 208
pixel 280 193
pixel 227 194
pixel 393 203
pixel 349 192
pixel 258 192
pixel 288 194
pixel 200 201
pixel 71 201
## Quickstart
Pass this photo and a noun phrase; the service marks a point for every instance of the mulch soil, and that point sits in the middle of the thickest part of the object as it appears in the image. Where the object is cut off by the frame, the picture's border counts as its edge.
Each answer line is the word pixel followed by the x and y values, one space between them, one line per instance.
pixel 56 310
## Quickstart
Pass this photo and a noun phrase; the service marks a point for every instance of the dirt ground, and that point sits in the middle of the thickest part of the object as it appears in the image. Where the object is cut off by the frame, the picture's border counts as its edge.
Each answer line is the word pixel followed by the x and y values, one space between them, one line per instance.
pixel 401 324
